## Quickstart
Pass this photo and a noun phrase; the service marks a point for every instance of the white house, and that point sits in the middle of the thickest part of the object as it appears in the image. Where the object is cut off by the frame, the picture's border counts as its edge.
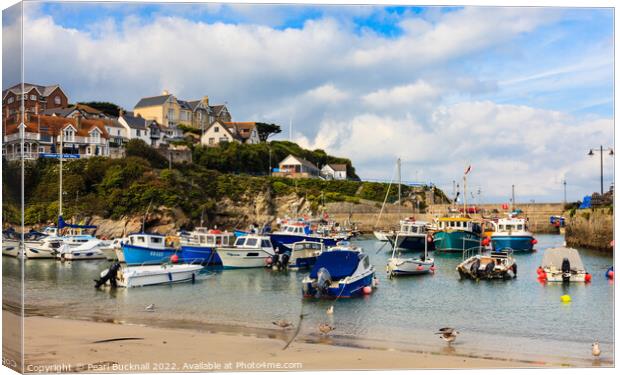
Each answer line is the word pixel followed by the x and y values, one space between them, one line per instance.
pixel 137 127
pixel 296 167
pixel 334 171
pixel 240 132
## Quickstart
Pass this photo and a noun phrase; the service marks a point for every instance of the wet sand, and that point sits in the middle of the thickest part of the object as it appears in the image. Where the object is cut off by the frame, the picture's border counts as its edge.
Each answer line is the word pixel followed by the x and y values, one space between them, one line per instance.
pixel 61 345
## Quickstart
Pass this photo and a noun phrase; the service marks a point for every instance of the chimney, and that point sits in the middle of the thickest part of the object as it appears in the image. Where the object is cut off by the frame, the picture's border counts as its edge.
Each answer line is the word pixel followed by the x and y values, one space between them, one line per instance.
pixel 165 92
pixel 78 120
pixel 205 100
pixel 121 112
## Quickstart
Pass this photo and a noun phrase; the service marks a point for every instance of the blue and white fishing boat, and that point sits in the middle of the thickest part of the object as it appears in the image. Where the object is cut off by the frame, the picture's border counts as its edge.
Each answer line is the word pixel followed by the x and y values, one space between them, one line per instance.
pixel 199 246
pixel 512 234
pixel 340 272
pixel 412 236
pixel 304 254
pixel 147 248
pixel 297 232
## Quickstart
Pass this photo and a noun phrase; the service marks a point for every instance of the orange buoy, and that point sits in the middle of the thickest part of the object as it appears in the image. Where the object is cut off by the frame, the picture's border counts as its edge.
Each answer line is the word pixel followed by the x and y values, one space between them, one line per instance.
pixel 367 290
pixel 174 258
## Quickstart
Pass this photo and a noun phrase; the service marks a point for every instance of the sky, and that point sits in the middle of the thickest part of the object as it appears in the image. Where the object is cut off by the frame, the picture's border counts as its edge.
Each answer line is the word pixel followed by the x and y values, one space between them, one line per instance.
pixel 519 93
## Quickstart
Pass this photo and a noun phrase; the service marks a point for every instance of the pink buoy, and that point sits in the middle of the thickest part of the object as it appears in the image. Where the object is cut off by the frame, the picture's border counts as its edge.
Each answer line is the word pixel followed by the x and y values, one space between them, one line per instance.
pixel 433 268
pixel 268 260
pixel 367 290
pixel 420 268
pixel 174 258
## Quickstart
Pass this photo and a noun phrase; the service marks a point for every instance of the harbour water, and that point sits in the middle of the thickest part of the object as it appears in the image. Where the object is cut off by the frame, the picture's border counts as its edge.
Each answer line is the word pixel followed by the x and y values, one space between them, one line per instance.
pixel 519 319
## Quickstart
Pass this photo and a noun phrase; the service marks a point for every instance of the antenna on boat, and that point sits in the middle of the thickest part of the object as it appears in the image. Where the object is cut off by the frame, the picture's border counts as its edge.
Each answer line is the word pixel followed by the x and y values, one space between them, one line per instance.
pixel 399 187
pixel 146 214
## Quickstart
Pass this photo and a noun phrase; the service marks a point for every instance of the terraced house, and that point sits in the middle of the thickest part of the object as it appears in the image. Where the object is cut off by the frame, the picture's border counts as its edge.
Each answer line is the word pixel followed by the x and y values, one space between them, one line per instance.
pixel 36 99
pixel 44 135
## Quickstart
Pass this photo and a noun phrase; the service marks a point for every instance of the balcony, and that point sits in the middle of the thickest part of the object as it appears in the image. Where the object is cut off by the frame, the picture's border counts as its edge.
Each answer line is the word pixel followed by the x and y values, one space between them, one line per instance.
pixel 17 137
pixel 10 156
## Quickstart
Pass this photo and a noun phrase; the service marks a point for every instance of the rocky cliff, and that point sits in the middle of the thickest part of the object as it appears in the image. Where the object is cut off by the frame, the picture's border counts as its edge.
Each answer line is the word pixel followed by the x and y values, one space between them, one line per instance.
pixel 591 228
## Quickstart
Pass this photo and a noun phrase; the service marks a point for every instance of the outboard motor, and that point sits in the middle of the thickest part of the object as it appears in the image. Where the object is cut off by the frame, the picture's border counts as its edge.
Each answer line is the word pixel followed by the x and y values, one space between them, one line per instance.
pixel 475 268
pixel 323 281
pixel 110 275
pixel 284 258
pixel 489 268
pixel 565 270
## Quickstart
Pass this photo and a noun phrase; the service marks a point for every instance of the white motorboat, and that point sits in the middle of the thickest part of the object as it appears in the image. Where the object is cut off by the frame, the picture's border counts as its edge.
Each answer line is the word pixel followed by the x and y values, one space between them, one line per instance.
pixel 382 235
pixel 304 254
pixel 496 265
pixel 111 249
pixel 249 251
pixel 46 248
pixel 398 265
pixel 10 247
pixel 86 251
pixel 563 264
pixel 136 276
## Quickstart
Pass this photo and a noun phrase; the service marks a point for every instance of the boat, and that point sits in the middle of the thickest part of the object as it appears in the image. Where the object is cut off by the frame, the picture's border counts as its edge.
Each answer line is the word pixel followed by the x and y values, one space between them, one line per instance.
pixel 511 234
pixel 147 248
pixel 199 245
pixel 111 249
pixel 137 276
pixel 297 232
pixel 10 247
pixel 249 251
pixel 457 234
pixel 563 264
pixel 340 272
pixel 304 254
pixel 84 251
pixel 382 235
pixel 46 248
pixel 398 265
pixel 412 236
pixel 496 265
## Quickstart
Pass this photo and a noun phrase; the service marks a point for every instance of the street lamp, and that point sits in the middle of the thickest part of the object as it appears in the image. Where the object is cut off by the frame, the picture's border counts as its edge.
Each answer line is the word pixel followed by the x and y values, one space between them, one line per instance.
pixel 601 149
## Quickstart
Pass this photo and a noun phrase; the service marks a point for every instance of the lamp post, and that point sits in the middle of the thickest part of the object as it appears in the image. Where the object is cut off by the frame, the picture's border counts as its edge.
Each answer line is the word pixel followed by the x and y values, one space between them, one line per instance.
pixel 601 149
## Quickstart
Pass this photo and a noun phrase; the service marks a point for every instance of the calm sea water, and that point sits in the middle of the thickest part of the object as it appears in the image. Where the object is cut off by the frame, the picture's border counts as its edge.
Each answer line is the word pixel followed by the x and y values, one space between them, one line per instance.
pixel 519 319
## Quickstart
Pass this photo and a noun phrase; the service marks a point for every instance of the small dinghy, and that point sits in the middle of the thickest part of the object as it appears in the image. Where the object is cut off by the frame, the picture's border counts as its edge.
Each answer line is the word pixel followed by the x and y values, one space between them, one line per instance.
pixel 563 264
pixel 340 271
pixel 136 276
pixel 497 265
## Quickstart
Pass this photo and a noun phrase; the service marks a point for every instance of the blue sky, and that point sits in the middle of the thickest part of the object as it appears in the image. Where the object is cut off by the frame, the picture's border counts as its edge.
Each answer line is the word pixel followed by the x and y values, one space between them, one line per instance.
pixel 513 91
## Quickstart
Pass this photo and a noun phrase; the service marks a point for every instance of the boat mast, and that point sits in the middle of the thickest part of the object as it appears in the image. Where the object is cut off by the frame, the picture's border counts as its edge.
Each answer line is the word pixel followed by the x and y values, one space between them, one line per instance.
pixel 399 187
pixel 513 198
pixel 465 194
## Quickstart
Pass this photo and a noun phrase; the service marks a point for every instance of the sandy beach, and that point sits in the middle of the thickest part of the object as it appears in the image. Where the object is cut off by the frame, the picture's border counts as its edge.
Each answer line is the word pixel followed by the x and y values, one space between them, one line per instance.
pixel 60 345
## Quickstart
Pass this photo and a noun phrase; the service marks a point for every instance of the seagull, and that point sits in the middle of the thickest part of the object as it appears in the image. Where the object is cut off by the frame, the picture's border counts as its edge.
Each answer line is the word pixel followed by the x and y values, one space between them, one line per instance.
pixel 283 323
pixel 330 310
pixel 596 350
pixel 325 328
pixel 447 334
pixel 150 308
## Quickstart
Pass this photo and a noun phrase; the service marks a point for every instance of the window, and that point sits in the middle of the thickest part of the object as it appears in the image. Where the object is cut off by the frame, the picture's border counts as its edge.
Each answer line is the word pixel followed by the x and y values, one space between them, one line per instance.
pixel 216 129
pixel 211 141
pixel 57 100
pixel 156 239
pixel 68 134
pixel 251 242
pixel 240 241
pixel 88 150
pixel 138 132
pixel 118 132
pixel 140 239
pixel 171 114
pixel 33 97
pixel 11 100
pixel 265 243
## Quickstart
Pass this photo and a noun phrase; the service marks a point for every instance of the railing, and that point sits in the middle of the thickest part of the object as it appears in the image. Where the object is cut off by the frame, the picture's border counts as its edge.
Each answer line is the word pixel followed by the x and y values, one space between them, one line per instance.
pixel 17 136
pixel 10 156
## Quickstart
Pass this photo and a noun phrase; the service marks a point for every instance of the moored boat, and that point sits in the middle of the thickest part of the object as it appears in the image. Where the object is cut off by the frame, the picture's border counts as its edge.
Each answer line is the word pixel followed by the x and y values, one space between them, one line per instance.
pixel 46 248
pixel 85 251
pixel 297 232
pixel 10 247
pixel 563 264
pixel 512 234
pixel 340 272
pixel 457 234
pixel 304 254
pixel 137 276
pixel 398 265
pixel 147 248
pixel 249 251
pixel 199 245
pixel 496 265
pixel 412 236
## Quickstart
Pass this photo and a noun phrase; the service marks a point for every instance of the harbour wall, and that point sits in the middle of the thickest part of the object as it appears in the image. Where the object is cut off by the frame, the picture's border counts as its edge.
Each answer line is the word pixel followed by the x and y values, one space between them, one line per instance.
pixel 590 228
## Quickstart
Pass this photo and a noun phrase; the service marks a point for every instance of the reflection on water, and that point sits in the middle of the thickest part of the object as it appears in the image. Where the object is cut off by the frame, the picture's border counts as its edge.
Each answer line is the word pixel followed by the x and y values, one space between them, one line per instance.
pixel 515 316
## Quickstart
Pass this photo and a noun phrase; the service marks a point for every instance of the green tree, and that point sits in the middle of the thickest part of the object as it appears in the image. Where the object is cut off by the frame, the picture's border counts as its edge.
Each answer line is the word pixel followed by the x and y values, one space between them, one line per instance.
pixel 266 130
pixel 108 108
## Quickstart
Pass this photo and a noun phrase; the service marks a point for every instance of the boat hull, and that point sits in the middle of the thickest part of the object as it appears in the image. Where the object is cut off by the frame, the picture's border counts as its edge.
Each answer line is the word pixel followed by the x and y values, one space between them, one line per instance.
pixel 514 243
pixel 83 254
pixel 456 241
pixel 10 248
pixel 341 289
pixel 284 241
pixel 137 255
pixel 34 251
pixel 381 235
pixel 139 276
pixel 199 254
pixel 557 277
pixel 409 266
pixel 243 258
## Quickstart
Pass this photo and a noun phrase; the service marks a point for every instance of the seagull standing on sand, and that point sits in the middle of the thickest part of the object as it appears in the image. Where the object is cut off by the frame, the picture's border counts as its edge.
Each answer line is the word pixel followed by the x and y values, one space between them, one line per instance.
pixel 447 334
pixel 325 328
pixel 596 349
pixel 283 323
pixel 150 308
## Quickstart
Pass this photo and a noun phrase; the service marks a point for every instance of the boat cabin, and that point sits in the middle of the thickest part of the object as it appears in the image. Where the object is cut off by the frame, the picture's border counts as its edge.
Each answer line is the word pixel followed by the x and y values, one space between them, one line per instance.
pixel 458 224
pixel 409 226
pixel 50 231
pixel 209 238
pixel 253 242
pixel 511 225
pixel 296 229
pixel 150 240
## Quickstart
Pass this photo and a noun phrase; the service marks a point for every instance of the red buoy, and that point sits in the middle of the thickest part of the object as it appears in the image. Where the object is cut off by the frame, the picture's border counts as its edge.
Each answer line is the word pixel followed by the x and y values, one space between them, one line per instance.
pixel 367 290
pixel 539 271
pixel 610 275
pixel 174 258
pixel 588 278
pixel 534 241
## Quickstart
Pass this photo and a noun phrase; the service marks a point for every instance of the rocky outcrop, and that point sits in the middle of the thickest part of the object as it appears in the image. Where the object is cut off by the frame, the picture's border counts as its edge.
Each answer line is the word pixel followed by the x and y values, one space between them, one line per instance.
pixel 591 228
